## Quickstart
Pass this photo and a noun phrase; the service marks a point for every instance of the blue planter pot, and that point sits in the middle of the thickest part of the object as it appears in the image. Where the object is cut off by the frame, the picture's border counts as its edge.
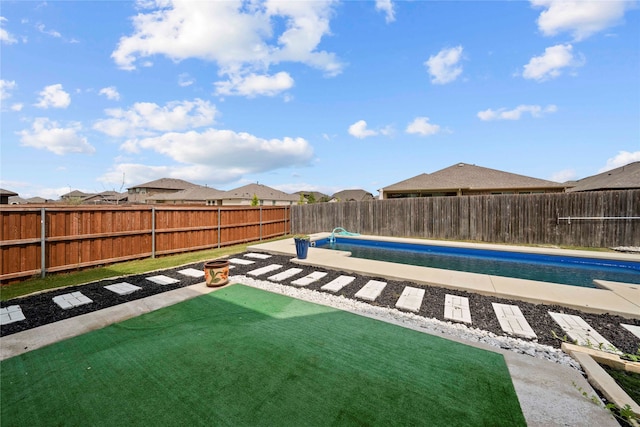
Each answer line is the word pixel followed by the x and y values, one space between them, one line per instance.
pixel 302 247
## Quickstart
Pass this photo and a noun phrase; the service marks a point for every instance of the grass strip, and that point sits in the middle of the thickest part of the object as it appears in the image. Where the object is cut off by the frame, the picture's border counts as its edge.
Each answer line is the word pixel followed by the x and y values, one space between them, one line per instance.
pixel 242 356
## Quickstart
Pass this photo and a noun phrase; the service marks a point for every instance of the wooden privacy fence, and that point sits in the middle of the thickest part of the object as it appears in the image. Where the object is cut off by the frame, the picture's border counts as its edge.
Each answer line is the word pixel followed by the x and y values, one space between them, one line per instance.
pixel 589 219
pixel 53 239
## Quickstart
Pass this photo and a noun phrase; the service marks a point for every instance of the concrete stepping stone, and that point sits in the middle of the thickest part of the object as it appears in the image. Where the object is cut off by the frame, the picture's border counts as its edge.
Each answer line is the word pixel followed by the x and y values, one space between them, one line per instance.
pixel 410 299
pixel 285 274
pixel 578 330
pixel 241 261
pixel 308 279
pixel 162 280
pixel 457 308
pixel 74 299
pixel 257 255
pixel 635 330
pixel 123 288
pixel 192 272
pixel 371 290
pixel 264 270
pixel 338 283
pixel 512 321
pixel 11 314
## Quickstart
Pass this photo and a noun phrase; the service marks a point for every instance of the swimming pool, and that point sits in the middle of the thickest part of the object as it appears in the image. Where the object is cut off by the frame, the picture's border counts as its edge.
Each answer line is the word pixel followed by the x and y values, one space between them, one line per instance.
pixel 575 271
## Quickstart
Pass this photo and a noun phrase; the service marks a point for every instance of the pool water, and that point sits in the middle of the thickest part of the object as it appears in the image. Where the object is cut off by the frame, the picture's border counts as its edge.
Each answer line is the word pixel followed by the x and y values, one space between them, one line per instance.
pixel 566 270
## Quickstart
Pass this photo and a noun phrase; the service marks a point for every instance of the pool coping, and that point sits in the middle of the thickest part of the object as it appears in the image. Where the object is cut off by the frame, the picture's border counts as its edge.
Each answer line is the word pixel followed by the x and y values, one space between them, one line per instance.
pixel 616 298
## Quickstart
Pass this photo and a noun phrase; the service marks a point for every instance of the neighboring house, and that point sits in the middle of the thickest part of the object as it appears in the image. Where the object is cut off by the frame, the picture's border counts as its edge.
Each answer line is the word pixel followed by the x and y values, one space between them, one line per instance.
pixel 17 200
pixel 4 196
pixel 75 196
pixel 244 195
pixel 140 193
pixel 352 196
pixel 626 177
pixel 106 198
pixel 463 179
pixel 317 196
pixel 196 195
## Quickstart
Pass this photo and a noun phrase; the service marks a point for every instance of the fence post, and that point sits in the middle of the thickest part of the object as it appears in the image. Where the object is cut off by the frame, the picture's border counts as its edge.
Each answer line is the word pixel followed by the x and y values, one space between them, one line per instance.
pixel 43 243
pixel 260 227
pixel 153 232
pixel 218 228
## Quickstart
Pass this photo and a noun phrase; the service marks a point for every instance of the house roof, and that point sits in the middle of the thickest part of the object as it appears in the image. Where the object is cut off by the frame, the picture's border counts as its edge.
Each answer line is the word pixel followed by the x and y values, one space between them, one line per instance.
pixel 197 192
pixel 263 192
pixel 470 177
pixel 352 195
pixel 166 184
pixel 4 192
pixel 624 177
pixel 76 193
pixel 316 194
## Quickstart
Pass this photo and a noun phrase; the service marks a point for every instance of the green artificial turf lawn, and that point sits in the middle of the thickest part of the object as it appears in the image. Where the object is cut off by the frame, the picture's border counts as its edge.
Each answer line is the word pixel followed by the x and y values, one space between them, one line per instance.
pixel 242 356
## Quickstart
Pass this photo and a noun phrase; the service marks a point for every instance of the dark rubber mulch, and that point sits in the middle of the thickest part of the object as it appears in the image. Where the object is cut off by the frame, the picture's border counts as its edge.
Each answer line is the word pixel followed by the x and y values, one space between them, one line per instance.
pixel 40 309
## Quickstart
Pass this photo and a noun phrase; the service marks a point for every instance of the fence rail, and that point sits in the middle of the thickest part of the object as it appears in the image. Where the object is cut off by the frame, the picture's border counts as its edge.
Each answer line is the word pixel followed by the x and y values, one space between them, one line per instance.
pixel 612 218
pixel 53 239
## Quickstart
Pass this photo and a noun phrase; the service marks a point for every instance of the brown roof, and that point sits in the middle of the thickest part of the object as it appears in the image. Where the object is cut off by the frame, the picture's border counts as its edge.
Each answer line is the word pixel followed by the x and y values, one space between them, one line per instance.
pixel 263 192
pixel 166 184
pixel 622 178
pixel 195 193
pixel 352 195
pixel 470 177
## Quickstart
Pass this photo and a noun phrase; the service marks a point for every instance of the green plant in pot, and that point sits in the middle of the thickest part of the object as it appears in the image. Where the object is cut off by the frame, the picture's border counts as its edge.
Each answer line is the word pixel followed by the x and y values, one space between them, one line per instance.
pixel 302 242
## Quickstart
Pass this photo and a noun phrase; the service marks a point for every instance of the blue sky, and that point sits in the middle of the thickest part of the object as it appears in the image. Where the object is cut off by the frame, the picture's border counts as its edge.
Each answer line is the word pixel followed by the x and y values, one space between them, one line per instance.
pixel 312 95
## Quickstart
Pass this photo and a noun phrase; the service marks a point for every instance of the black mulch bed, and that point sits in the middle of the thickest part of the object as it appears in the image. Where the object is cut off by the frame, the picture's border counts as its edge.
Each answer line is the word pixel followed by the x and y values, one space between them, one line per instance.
pixel 40 309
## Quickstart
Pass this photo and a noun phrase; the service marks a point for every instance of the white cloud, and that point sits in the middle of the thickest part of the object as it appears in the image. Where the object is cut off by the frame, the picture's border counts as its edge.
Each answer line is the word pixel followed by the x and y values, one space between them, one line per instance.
pixel 360 131
pixel 110 92
pixel 564 175
pixel 516 113
pixel 550 64
pixel 444 67
pixel 215 155
pixel 243 37
pixel 5 87
pixel 580 18
pixel 621 159
pixel 48 135
pixel 5 36
pixel 386 6
pixel 54 96
pixel 421 126
pixel 147 118
pixel 253 84
pixel 17 106
pixel 185 80
pixel 52 33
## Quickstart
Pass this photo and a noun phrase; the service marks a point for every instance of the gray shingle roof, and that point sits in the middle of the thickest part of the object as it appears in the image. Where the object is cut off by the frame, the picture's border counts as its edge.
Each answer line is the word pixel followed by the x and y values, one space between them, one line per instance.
pixel 470 177
pixel 195 193
pixel 166 184
pixel 355 195
pixel 261 191
pixel 8 193
pixel 622 178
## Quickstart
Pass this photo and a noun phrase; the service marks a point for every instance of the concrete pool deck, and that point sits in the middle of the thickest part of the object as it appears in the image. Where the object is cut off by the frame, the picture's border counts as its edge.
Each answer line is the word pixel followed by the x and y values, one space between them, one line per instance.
pixel 610 297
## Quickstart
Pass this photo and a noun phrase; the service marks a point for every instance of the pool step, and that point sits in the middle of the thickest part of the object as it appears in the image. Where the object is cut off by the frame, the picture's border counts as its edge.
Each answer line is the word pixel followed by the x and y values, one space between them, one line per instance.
pixel 512 321
pixel 457 309
pixel 578 330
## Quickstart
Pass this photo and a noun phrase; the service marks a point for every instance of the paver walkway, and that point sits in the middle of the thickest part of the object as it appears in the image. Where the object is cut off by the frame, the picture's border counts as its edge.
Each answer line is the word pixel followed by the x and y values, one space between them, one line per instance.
pixel 411 299
pixel 285 274
pixel 308 279
pixel 123 288
pixel 580 331
pixel 457 309
pixel 512 321
pixel 371 290
pixel 338 283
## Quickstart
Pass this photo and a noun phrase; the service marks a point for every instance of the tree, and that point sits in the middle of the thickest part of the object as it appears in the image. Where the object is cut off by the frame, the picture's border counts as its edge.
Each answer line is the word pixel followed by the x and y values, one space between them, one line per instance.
pixel 255 201
pixel 311 198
